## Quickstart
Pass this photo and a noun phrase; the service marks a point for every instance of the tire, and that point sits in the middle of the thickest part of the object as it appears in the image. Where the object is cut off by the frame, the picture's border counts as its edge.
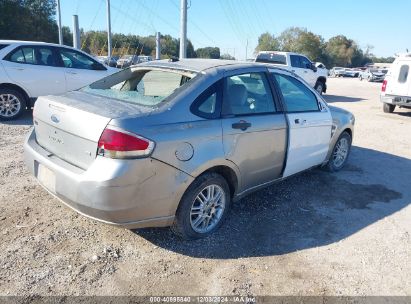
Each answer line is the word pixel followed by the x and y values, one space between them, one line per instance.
pixel 388 108
pixel 12 104
pixel 360 77
pixel 343 142
pixel 369 79
pixel 190 226
pixel 319 87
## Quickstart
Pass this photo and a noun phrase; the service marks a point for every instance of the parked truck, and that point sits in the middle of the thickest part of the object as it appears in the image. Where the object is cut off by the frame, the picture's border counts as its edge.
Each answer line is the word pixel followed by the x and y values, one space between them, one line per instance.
pixel 300 65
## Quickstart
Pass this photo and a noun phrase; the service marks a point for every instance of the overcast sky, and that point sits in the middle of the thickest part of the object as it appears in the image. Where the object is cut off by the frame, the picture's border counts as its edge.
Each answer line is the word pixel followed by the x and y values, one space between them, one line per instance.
pixel 229 24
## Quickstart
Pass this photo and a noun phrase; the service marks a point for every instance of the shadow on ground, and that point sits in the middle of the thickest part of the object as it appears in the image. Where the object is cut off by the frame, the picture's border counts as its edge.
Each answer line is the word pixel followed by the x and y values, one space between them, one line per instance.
pixel 336 98
pixel 26 119
pixel 406 114
pixel 313 209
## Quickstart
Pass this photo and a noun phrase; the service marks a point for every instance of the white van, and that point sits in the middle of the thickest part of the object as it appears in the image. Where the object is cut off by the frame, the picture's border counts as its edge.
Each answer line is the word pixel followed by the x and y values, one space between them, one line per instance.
pixel 396 88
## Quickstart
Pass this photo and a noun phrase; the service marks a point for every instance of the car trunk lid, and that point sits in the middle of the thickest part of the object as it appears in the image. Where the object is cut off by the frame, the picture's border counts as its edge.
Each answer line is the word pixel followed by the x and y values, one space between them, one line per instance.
pixel 69 126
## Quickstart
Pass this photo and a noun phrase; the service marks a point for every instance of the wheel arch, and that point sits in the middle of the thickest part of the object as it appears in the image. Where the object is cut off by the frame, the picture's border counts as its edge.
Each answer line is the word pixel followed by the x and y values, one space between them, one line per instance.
pixel 18 89
pixel 229 175
pixel 347 129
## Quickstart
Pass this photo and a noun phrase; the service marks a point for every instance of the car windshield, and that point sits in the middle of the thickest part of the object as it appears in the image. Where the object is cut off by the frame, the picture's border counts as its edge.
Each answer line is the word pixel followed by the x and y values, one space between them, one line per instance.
pixel 147 87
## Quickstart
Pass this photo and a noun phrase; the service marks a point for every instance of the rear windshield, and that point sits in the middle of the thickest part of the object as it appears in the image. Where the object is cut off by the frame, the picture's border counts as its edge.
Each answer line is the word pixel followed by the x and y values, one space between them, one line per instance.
pixel 143 87
pixel 271 58
pixel 378 71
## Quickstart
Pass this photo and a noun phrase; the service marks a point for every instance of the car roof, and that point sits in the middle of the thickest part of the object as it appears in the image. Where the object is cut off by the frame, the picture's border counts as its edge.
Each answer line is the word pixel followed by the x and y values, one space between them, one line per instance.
pixel 28 42
pixel 202 65
pixel 22 42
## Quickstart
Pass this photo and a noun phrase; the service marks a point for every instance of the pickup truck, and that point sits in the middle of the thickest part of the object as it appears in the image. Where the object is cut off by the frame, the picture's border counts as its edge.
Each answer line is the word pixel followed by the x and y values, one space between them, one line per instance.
pixel 298 64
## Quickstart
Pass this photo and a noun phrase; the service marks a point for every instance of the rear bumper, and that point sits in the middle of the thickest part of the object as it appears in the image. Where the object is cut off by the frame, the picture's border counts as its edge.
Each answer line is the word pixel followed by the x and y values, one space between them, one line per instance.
pixel 129 193
pixel 401 101
pixel 377 79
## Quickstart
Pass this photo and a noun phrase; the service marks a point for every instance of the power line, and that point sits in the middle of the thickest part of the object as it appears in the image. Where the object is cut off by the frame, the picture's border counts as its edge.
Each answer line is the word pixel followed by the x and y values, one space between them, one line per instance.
pixel 195 25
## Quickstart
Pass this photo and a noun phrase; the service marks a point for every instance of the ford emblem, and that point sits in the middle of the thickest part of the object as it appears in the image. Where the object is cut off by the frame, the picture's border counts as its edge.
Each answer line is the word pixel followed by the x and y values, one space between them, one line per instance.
pixel 55 119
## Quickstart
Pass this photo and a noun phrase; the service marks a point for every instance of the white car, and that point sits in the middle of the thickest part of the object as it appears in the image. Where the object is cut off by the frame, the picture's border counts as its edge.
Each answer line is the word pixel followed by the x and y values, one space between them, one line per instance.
pixel 300 65
pixel 396 88
pixel 32 69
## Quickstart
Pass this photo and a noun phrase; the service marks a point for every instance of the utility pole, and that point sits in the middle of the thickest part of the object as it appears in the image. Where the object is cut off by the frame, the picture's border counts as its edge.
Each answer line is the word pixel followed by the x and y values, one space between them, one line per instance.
pixel 183 30
pixel 158 47
pixel 246 51
pixel 76 33
pixel 59 23
pixel 108 30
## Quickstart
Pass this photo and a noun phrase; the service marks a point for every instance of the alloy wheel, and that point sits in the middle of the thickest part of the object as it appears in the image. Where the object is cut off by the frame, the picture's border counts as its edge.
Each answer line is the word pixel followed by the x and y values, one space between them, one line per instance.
pixel 10 105
pixel 207 208
pixel 341 152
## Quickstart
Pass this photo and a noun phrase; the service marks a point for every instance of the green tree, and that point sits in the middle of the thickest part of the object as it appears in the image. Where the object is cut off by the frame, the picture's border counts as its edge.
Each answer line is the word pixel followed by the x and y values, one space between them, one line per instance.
pixel 299 40
pixel 28 20
pixel 340 50
pixel 67 36
pixel 267 42
pixel 208 52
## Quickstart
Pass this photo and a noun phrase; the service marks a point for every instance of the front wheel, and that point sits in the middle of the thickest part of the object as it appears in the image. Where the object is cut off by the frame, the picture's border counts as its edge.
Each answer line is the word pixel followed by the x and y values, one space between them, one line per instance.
pixel 12 104
pixel 340 153
pixel 319 87
pixel 388 108
pixel 203 207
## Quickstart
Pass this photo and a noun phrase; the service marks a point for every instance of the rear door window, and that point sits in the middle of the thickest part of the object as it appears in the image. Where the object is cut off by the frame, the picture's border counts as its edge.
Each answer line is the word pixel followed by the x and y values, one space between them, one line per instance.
pixel 297 97
pixel 247 94
pixel 271 58
pixel 37 55
pixel 17 56
pixel 2 46
pixel 403 75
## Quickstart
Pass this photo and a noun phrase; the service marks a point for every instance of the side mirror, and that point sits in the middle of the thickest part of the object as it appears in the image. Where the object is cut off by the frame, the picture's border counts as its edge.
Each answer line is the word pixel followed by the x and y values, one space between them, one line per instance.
pixel 98 66
pixel 313 67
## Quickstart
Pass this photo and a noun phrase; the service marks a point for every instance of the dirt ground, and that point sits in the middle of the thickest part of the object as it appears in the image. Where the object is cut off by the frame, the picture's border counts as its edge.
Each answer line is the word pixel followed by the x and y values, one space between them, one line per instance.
pixel 318 233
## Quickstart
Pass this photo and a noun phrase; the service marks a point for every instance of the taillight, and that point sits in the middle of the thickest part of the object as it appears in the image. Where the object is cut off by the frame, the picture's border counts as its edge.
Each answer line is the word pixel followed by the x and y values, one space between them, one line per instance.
pixel 117 143
pixel 384 86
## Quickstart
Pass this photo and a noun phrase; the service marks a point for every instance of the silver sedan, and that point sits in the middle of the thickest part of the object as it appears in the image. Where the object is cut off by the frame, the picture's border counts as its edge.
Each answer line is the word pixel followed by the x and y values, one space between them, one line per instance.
pixel 175 143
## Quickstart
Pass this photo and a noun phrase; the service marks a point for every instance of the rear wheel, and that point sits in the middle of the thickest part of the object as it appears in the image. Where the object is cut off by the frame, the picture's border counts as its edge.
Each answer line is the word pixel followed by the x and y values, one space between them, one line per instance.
pixel 203 207
pixel 12 104
pixel 340 153
pixel 388 108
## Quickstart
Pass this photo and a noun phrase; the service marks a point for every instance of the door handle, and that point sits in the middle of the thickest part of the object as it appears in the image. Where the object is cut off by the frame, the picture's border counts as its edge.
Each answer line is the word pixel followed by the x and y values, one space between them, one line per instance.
pixel 293 71
pixel 300 121
pixel 72 73
pixel 19 69
pixel 305 71
pixel 242 125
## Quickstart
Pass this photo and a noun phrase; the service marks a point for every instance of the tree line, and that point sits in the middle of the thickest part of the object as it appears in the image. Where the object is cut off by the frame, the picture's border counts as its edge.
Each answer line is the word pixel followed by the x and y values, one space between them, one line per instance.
pixel 35 20
pixel 337 51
